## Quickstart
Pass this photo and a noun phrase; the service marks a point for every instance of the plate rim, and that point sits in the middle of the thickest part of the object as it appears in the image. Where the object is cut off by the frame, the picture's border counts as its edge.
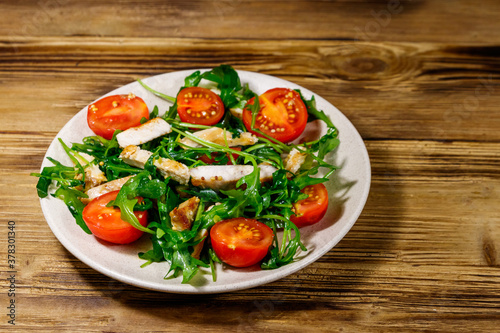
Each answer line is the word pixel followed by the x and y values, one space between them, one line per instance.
pixel 214 288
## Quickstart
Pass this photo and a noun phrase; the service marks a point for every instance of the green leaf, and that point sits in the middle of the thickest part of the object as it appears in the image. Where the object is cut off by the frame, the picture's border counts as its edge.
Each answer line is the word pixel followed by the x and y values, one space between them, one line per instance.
pixel 313 112
pixel 228 82
pixel 250 196
pixel 166 203
pixel 139 185
pixel 193 80
pixel 305 180
pixel 63 175
pixel 327 143
pixel 279 256
pixel 75 206
pixel 157 93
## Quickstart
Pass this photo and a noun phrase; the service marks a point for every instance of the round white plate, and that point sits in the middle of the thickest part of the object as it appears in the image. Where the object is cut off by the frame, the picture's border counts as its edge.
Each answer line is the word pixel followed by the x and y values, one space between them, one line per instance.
pixel 348 190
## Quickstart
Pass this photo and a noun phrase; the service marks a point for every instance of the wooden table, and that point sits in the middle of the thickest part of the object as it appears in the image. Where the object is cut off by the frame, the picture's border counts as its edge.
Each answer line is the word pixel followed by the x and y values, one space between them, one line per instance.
pixel 420 81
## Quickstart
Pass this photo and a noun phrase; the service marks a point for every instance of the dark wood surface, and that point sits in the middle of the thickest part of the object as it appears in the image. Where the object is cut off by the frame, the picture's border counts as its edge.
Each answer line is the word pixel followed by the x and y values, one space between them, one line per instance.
pixel 420 80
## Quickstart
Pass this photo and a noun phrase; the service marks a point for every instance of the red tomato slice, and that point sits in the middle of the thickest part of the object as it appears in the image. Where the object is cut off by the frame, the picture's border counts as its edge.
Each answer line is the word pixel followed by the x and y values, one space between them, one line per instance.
pixel 282 115
pixel 241 242
pixel 312 209
pixel 106 223
pixel 115 112
pixel 200 106
pixel 211 160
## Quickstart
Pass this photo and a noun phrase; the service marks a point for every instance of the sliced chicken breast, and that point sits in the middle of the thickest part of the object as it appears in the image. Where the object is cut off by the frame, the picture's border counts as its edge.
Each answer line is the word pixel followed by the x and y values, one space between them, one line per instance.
pixel 148 131
pixel 182 217
pixel 113 185
pixel 224 177
pixel 93 176
pixel 202 234
pixel 220 136
pixel 294 160
pixel 135 156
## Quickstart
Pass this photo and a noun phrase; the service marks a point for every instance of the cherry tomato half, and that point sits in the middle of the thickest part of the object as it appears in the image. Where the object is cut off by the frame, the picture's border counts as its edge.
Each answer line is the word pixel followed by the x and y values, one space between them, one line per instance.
pixel 200 106
pixel 241 242
pixel 106 223
pixel 312 209
pixel 282 115
pixel 116 112
pixel 213 156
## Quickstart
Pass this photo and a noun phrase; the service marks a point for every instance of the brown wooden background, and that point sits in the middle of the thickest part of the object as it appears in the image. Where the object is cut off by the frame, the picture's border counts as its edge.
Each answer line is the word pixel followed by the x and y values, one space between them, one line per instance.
pixel 419 79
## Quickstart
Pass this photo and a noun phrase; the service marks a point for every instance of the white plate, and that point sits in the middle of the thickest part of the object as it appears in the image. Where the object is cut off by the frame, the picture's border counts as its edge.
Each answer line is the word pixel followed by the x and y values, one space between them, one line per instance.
pixel 348 189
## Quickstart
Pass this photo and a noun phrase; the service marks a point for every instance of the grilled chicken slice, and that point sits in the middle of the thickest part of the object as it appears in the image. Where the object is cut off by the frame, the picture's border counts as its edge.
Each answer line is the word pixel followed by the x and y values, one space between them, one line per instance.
pixel 113 185
pixel 224 177
pixel 220 136
pixel 170 168
pixel 148 131
pixel 135 156
pixel 93 176
pixel 294 160
pixel 182 217
pixel 202 234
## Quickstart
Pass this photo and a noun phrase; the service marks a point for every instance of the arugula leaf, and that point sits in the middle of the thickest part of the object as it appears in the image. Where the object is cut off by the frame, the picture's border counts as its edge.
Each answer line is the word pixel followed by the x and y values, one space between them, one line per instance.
pixel 232 93
pixel 72 200
pixel 193 80
pixel 282 255
pixel 139 185
pixel 166 203
pixel 305 180
pixel 154 114
pixel 232 124
pixel 157 93
pixel 153 255
pixel 250 196
pixel 266 152
pixel 313 112
pixel 63 175
pixel 115 168
pixel 321 148
pixel 206 194
pixel 175 247
pixel 326 143
pixel 228 82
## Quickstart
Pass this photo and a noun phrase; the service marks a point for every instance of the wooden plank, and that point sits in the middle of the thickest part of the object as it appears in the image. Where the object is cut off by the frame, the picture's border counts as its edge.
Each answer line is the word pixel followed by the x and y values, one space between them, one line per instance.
pixel 388 90
pixel 421 257
pixel 405 20
pixel 420 84
pixel 424 206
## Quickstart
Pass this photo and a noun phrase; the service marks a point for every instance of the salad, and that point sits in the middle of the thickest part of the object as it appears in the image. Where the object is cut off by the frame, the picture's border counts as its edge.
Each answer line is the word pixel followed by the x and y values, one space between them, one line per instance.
pixel 211 180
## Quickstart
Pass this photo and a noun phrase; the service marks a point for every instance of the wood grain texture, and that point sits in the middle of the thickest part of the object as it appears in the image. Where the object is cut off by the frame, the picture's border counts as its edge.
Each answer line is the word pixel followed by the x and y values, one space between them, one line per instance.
pixel 367 20
pixel 423 248
pixel 400 90
pixel 423 90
